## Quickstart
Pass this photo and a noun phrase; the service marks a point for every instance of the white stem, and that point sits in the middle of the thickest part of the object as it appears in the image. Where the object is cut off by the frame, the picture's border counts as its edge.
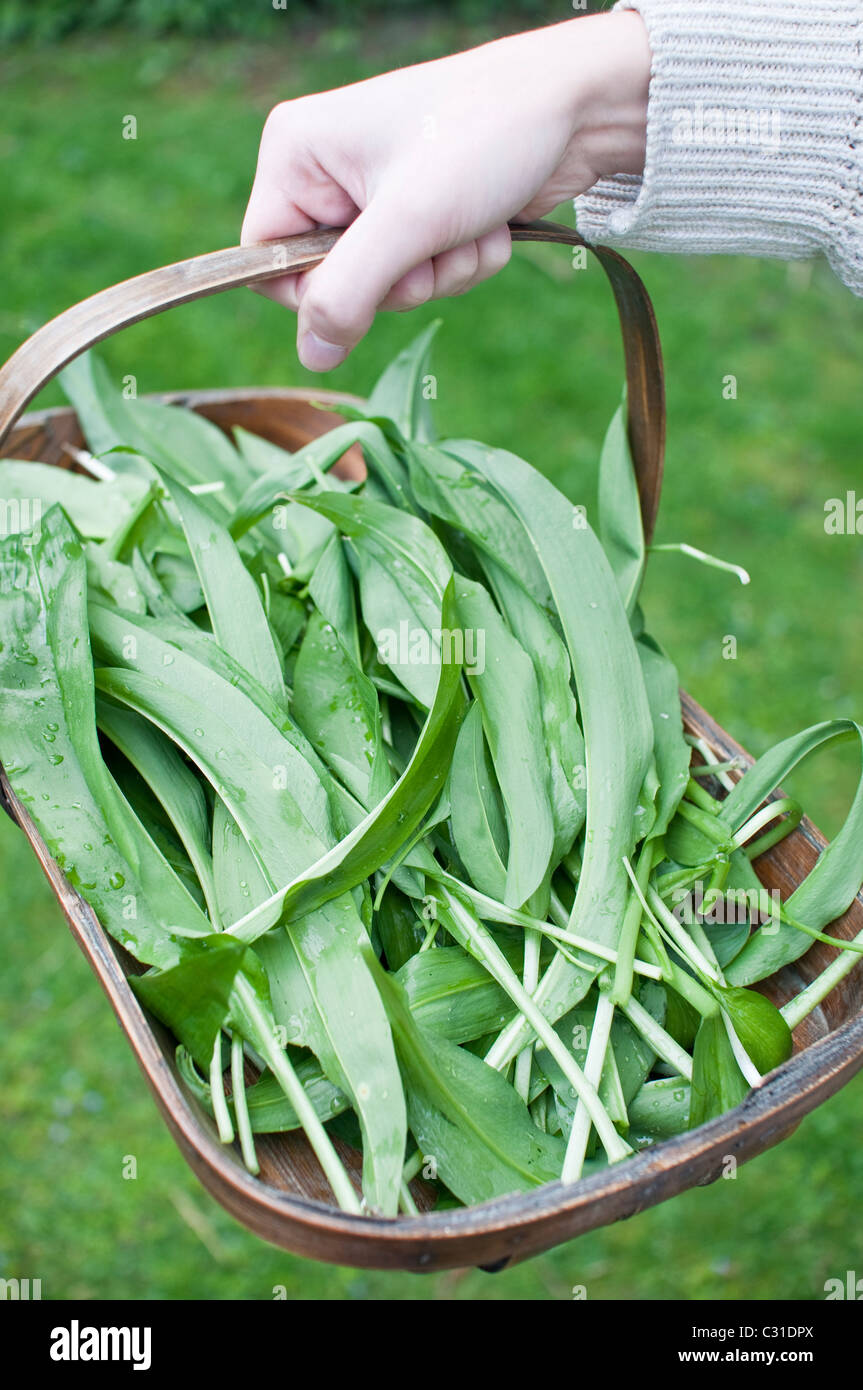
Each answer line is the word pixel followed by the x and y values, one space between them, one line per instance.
pixel 280 1066
pixel 99 470
pixel 662 1043
pixel 666 920
pixel 241 1107
pixel 710 757
pixel 741 1056
pixel 772 811
pixel 809 998
pixel 490 909
pixel 600 1034
pixel 530 980
pixel 221 1113
pixel 682 548
pixel 499 968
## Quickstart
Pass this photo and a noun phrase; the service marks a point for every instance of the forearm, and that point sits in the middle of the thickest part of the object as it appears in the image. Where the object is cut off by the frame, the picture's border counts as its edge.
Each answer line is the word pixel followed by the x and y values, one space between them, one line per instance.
pixel 752 134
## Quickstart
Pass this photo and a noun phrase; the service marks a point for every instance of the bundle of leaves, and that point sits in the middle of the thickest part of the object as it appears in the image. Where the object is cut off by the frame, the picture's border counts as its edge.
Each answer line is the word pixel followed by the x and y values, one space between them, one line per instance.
pixel 387 785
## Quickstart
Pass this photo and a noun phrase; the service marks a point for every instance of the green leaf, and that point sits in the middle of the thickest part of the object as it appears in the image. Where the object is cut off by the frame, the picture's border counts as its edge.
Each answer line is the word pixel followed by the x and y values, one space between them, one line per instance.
pixel 113 579
pixel 478 825
pixel 448 488
pixel 672 752
pixel 50 750
pixel 727 939
pixel 95 509
pixel 717 1081
pixel 454 996
pixel 376 839
pixel 336 706
pixel 290 472
pixel 178 576
pixel 400 393
pixel 759 1025
pixel 403 573
pixel 173 783
pixel 615 715
pixel 661 1108
pixel 262 456
pixel 401 931
pixel 192 997
pixel 508 696
pixel 831 886
pixel 331 591
pixel 681 1019
pixel 250 763
pixel 481 1135
pixel 562 737
pixel 231 594
pixel 270 1111
pixel 176 439
pixel 275 797
pixel 620 526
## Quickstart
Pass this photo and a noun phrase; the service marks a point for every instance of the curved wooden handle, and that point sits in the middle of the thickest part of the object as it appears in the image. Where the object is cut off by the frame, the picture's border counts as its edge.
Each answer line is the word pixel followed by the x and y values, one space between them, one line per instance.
pixel 38 360
pixel 645 379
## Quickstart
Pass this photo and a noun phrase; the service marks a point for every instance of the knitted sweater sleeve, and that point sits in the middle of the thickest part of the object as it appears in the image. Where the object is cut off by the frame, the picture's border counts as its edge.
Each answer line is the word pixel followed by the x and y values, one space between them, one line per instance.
pixel 754 135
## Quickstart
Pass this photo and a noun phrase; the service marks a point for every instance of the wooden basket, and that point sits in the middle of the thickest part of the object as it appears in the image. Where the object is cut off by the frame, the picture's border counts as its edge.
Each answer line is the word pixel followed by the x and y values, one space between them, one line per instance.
pixel 288 1204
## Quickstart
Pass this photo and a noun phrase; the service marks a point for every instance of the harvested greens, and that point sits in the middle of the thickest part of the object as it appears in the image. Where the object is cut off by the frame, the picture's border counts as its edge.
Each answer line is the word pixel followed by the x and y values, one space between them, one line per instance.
pixel 387 785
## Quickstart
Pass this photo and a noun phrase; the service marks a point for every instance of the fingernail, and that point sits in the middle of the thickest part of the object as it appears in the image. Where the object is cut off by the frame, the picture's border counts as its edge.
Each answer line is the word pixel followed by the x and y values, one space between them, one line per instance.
pixel 318 355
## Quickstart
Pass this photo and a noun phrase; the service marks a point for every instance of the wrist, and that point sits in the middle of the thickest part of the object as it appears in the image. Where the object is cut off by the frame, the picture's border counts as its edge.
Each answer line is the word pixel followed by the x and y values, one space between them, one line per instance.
pixel 610 59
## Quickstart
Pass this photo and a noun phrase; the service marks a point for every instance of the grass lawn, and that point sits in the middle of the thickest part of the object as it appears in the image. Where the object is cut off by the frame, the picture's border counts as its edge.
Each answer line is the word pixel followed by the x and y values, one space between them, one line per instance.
pixel 531 361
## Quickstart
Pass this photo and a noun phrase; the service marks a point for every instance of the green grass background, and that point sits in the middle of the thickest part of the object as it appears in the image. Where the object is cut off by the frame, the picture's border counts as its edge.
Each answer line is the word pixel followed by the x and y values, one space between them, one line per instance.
pixel 531 361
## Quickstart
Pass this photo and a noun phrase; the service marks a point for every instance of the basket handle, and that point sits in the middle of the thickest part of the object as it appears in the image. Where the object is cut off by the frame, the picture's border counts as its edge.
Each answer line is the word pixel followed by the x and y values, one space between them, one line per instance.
pixel 38 359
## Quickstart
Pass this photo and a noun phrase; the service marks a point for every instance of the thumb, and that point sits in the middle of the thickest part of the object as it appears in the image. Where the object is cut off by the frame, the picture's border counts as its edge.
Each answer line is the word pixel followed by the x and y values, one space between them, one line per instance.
pixel 339 298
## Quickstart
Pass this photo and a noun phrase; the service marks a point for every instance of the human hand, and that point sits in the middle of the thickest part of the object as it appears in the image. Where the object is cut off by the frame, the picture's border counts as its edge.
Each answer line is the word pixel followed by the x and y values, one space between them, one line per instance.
pixel 426 165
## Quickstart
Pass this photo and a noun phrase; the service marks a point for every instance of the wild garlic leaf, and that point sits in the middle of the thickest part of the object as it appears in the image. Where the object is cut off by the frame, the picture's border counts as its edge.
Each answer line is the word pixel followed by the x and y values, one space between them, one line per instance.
pixel 831 885
pixel 192 998
pixel 454 996
pixel 94 508
pixel 173 783
pixel 508 696
pixel 336 706
pixel 620 526
pixel 448 485
pixel 478 825
pixel 481 1134
pixel 233 598
pixel 401 393
pixel 717 1081
pixel 259 778
pixel 564 741
pixel 51 752
pixel 672 752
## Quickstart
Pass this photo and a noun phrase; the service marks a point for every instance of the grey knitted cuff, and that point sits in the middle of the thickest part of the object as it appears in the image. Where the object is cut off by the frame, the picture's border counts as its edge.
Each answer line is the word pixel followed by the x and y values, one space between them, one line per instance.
pixel 753 134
